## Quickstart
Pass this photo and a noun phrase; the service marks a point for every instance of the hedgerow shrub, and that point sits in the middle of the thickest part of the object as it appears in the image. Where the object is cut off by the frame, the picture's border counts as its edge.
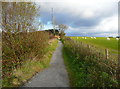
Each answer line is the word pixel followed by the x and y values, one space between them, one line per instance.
pixel 89 69
pixel 21 39
pixel 16 49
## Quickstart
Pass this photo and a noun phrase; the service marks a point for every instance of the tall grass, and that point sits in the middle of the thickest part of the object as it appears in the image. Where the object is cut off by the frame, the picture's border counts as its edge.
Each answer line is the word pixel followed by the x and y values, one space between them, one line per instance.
pixel 22 43
pixel 85 68
pixel 30 67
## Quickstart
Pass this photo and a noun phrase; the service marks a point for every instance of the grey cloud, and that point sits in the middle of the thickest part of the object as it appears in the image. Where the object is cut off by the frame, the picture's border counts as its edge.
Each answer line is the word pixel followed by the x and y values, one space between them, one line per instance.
pixel 72 17
pixel 68 18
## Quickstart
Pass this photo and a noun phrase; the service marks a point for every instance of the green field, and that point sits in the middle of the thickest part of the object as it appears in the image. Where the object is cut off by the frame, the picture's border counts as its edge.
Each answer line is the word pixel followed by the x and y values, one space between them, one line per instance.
pixel 100 42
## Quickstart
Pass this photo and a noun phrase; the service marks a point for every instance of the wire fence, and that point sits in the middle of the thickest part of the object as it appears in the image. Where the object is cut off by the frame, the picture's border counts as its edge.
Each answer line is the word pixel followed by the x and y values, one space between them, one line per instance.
pixel 100 52
pixel 105 60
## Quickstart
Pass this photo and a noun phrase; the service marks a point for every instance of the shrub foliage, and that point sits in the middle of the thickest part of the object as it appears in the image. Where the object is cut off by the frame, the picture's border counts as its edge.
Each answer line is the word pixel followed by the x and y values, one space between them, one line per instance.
pixel 20 39
pixel 89 69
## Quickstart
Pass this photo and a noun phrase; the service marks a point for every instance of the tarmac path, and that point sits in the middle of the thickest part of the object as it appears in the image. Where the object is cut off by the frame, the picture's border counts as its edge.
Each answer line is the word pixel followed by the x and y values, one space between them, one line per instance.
pixel 54 76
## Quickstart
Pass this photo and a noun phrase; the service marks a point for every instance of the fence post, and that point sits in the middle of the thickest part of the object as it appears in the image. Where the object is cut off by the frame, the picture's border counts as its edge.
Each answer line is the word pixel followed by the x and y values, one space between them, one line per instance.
pixel 99 55
pixel 118 70
pixel 81 43
pixel 88 46
pixel 106 53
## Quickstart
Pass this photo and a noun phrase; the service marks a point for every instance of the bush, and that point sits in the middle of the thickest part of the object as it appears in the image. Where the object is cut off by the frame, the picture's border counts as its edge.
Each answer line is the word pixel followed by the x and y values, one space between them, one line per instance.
pixel 88 69
pixel 17 48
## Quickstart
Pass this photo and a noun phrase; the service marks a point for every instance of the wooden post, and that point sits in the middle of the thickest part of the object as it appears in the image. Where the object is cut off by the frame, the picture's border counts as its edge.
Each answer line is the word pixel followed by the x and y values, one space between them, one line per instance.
pixel 106 53
pixel 89 46
pixel 78 45
pixel 81 43
pixel 118 71
pixel 99 55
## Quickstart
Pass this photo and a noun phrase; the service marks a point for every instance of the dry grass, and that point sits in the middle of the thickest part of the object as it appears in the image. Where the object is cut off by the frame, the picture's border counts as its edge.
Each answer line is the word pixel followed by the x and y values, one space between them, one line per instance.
pixel 31 67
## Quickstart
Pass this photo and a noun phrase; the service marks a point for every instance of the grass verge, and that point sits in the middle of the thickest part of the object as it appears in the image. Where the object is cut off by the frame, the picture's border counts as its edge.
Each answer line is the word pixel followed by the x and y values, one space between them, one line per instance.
pixel 30 68
pixel 87 72
pixel 72 69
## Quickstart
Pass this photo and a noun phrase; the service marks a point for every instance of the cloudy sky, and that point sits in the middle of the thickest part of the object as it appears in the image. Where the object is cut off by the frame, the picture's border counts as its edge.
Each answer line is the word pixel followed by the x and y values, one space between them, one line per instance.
pixel 84 17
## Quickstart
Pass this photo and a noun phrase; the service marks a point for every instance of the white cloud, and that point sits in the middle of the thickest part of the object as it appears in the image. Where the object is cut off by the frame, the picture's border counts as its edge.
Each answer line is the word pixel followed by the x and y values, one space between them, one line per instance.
pixel 87 9
pixel 109 24
pixel 107 27
pixel 80 7
pixel 88 14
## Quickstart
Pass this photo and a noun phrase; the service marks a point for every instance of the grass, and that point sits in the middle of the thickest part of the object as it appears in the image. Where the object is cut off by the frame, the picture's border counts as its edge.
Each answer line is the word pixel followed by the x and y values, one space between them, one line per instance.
pixel 86 73
pixel 71 68
pixel 100 42
pixel 30 68
pixel 76 70
pixel 86 69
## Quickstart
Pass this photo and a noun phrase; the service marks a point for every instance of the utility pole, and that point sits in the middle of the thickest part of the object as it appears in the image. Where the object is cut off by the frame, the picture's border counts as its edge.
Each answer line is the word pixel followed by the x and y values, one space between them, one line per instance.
pixel 53 22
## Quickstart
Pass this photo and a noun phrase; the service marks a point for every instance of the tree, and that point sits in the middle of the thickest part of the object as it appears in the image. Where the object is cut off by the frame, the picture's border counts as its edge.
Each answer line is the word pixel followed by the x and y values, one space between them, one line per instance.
pixel 62 28
pixel 17 22
pixel 18 16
